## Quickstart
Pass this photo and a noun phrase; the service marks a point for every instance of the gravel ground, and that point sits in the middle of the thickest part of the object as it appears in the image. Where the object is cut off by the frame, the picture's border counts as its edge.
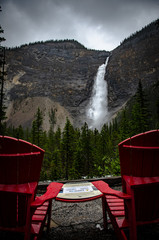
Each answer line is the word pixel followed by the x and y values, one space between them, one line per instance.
pixel 76 221
pixel 82 221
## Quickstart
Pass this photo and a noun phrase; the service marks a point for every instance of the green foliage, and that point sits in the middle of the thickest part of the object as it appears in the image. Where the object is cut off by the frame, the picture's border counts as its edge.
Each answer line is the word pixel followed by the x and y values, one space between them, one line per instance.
pixel 72 44
pixel 138 34
pixel 140 115
pixel 52 116
pixel 68 148
pixel 2 78
pixel 153 94
pixel 37 128
pixel 78 153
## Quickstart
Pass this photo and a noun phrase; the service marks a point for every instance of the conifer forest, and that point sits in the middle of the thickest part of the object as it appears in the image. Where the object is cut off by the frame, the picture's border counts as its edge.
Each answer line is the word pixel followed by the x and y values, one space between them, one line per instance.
pixel 74 153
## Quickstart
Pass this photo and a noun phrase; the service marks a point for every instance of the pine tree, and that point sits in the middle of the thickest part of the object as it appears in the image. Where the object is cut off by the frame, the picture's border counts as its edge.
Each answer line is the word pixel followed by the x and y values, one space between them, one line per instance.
pixel 77 167
pixel 88 161
pixel 52 116
pixel 2 78
pixel 78 160
pixel 140 114
pixel 155 118
pixel 157 113
pixel 96 154
pixel 57 166
pixel 19 132
pixel 37 128
pixel 67 147
pixel 124 126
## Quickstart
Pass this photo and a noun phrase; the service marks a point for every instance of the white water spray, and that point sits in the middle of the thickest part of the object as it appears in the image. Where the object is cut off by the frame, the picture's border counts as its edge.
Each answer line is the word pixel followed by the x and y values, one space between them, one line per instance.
pixel 97 112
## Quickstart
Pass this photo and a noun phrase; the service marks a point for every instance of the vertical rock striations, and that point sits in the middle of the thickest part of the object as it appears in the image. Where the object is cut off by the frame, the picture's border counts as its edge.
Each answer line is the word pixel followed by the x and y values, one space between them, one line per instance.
pixel 61 74
pixel 136 58
pixel 62 71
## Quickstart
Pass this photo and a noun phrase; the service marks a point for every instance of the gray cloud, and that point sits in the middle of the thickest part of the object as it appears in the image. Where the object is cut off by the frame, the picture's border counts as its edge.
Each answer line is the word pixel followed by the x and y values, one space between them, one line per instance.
pixel 99 24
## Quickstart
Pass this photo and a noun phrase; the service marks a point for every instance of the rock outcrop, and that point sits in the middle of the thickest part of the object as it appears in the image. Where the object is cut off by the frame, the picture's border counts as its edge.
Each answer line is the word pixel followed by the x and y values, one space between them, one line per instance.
pixel 60 75
pixel 62 71
pixel 137 58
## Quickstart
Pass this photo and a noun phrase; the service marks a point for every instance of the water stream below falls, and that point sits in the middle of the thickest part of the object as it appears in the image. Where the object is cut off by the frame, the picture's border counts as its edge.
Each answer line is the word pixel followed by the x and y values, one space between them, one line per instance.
pixel 97 111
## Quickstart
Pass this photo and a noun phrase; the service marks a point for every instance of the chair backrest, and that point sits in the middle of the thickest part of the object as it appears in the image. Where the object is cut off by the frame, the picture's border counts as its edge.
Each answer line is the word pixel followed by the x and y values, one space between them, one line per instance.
pixel 20 168
pixel 20 163
pixel 139 155
pixel 13 210
pixel 139 159
pixel 13 145
pixel 147 202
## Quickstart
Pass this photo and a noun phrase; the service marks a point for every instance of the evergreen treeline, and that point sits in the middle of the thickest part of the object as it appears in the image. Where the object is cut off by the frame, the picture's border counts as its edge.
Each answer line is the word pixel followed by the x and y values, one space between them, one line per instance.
pixel 77 153
pixel 2 79
pixel 77 44
pixel 146 30
pixel 72 153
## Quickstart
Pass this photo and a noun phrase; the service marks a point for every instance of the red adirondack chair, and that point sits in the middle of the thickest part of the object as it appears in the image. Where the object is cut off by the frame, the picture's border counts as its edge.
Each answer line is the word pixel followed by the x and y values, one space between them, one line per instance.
pixel 20 211
pixel 138 203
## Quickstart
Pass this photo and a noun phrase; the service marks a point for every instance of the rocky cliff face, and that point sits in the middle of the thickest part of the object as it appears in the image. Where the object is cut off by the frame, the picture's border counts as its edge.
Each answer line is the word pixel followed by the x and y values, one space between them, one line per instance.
pixel 60 75
pixel 136 58
pixel 49 75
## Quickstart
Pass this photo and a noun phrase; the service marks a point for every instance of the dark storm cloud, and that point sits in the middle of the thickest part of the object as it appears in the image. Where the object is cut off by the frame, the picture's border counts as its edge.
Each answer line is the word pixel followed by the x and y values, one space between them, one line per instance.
pixel 99 24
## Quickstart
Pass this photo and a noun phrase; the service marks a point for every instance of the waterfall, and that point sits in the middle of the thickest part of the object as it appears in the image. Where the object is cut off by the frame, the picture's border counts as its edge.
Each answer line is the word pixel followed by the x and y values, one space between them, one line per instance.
pixel 97 111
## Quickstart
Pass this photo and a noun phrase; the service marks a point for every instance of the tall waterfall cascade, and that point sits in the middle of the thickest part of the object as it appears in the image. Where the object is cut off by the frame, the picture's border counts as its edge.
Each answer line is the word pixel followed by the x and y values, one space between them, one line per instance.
pixel 97 111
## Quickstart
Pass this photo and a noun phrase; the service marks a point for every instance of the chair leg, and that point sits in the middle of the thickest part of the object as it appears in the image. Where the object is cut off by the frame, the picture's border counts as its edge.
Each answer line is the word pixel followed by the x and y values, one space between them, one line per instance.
pixel 132 218
pixel 28 221
pixel 105 219
pixel 115 210
pixel 49 216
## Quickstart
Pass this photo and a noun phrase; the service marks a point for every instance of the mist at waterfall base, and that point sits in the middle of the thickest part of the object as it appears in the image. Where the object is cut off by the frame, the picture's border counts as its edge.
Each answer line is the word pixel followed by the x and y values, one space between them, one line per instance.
pixel 97 111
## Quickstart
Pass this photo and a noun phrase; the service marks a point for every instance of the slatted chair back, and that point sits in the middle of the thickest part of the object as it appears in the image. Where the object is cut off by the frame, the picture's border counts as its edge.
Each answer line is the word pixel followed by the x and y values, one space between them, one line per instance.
pixel 20 161
pixel 139 155
pixel 20 166
pixel 147 203
pixel 13 145
pixel 13 210
pixel 139 161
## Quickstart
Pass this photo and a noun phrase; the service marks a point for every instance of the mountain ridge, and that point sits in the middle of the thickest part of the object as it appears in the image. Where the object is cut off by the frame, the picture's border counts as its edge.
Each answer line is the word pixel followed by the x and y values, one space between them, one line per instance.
pixel 137 58
pixel 61 71
pixel 64 72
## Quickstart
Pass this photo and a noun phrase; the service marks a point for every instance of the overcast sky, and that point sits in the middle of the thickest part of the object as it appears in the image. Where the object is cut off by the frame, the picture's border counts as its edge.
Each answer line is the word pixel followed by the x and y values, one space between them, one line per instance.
pixel 97 24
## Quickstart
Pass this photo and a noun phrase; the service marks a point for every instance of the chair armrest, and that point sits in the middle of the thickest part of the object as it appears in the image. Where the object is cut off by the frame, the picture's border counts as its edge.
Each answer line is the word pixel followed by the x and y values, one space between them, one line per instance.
pixel 141 147
pixel 105 189
pixel 25 188
pixel 52 191
pixel 135 182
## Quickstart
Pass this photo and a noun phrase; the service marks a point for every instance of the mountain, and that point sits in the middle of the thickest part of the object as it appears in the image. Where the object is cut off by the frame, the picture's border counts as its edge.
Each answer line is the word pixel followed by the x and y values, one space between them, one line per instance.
pixel 52 74
pixel 137 58
pixel 60 75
